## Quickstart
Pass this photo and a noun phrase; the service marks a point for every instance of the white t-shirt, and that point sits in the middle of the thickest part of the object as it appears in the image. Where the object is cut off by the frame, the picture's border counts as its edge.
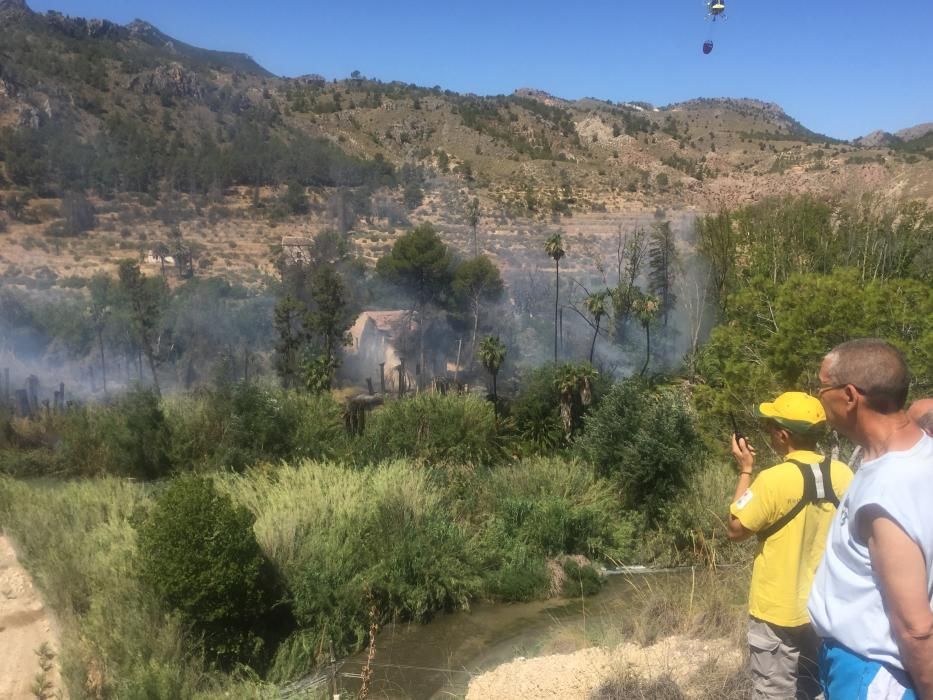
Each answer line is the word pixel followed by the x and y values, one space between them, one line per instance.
pixel 845 604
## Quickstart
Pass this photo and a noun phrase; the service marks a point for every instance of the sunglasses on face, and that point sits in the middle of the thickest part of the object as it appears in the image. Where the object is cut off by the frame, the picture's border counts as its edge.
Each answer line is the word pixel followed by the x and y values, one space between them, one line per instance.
pixel 823 389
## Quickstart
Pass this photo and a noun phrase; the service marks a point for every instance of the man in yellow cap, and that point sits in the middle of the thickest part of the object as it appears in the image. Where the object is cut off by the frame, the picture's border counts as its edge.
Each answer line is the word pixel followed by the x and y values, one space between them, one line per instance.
pixel 789 508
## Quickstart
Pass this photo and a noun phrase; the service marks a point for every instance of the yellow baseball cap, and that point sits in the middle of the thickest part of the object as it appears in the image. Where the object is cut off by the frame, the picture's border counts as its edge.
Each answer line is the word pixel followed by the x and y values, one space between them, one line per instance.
pixel 796 411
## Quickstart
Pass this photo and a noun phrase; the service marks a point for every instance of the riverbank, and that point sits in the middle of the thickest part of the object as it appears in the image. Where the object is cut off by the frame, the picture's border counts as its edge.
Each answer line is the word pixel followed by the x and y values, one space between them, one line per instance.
pixel 28 638
pixel 691 666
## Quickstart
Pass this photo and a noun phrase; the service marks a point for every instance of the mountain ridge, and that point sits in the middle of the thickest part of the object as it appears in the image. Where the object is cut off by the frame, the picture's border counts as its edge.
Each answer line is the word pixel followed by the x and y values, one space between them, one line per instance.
pixel 94 79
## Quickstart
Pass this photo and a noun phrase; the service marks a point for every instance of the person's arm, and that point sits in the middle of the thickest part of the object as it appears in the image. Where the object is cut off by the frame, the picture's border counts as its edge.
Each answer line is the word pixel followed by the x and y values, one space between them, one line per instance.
pixel 899 565
pixel 745 463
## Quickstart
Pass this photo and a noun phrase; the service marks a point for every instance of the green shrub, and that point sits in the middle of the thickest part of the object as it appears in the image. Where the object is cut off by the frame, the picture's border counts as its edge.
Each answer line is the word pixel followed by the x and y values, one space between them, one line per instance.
pixel 535 411
pixel 130 438
pixel 646 441
pixel 76 540
pixel 580 580
pixel 198 553
pixel 557 506
pixel 243 424
pixel 435 429
pixel 512 570
pixel 691 529
pixel 29 463
pixel 346 539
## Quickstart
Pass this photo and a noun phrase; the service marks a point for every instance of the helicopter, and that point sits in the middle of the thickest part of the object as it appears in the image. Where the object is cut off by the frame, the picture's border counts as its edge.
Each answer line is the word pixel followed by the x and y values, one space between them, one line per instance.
pixel 715 10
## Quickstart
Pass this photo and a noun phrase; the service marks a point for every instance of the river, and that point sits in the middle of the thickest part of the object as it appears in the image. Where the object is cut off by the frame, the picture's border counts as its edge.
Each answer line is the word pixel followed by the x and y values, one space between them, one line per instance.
pixel 437 660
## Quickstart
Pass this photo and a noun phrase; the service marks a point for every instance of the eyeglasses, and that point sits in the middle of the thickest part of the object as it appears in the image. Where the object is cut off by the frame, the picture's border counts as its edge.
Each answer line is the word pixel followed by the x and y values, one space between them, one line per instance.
pixel 823 389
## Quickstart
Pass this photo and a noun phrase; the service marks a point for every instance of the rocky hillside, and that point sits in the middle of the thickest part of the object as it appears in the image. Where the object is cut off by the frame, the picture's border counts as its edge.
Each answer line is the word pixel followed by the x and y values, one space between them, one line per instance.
pixel 126 113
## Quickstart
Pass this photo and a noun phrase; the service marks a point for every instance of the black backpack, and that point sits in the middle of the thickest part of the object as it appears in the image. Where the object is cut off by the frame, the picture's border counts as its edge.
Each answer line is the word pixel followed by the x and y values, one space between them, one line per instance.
pixel 813 492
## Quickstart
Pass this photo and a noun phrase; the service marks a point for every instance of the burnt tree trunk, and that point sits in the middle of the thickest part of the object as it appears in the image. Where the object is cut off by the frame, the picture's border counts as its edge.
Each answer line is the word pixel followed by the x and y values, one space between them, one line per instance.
pixel 556 301
pixel 595 335
pixel 103 363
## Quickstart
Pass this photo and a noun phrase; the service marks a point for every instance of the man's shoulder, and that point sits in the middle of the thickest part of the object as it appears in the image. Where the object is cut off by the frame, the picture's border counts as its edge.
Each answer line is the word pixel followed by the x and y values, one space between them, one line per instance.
pixel 780 477
pixel 841 472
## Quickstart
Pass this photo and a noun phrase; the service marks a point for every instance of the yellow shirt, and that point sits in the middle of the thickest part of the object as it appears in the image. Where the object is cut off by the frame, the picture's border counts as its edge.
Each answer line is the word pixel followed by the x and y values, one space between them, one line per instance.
pixel 786 561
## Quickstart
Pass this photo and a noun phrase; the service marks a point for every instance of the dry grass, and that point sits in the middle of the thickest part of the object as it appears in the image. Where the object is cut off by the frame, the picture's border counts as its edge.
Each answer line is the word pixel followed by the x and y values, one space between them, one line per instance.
pixel 707 684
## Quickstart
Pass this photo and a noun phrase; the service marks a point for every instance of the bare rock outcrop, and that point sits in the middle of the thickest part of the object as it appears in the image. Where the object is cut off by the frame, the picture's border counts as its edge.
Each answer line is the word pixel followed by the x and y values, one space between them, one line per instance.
pixel 171 80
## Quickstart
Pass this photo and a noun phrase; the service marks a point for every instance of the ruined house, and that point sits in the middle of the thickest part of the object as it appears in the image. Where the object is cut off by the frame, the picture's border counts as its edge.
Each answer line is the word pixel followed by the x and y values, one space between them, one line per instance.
pixel 376 337
pixel 296 250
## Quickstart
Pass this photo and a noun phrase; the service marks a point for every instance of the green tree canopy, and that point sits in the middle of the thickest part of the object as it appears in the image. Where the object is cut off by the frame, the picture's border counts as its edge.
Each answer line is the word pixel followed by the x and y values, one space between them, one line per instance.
pixel 777 334
pixel 419 263
pixel 477 282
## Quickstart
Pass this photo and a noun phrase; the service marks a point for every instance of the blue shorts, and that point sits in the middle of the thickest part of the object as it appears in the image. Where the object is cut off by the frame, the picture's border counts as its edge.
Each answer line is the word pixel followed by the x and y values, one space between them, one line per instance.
pixel 847 676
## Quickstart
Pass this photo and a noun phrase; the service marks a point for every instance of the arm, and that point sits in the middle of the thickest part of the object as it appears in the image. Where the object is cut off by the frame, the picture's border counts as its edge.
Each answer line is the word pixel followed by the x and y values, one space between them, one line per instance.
pixel 745 462
pixel 902 577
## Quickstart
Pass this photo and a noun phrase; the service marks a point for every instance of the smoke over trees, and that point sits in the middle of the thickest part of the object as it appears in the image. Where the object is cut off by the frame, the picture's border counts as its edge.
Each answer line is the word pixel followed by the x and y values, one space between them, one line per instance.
pixel 420 264
pixel 145 297
pixel 477 282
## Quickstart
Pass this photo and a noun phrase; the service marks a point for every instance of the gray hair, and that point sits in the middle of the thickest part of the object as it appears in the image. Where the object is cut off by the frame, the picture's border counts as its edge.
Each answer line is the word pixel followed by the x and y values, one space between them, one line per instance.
pixel 876 368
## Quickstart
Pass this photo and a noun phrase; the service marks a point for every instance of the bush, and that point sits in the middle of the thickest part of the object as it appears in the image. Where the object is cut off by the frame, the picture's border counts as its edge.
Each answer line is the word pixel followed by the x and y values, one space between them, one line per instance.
pixel 129 438
pixel 237 426
pixel 76 540
pixel 646 441
pixel 557 506
pixel 435 429
pixel 198 553
pixel 691 530
pixel 580 580
pixel 346 540
pixel 513 571
pixel 78 213
pixel 535 412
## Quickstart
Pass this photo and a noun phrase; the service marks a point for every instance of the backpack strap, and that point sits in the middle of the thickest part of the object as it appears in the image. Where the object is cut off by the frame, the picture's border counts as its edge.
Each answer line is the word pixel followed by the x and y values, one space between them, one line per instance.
pixel 814 491
pixel 826 469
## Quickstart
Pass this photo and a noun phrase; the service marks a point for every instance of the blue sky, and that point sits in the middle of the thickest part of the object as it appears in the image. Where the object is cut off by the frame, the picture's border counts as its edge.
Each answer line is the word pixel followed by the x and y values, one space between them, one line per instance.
pixel 841 68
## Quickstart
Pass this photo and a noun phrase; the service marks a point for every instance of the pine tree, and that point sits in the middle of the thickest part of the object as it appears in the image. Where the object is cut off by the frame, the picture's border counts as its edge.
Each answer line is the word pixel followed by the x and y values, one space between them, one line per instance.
pixel 662 261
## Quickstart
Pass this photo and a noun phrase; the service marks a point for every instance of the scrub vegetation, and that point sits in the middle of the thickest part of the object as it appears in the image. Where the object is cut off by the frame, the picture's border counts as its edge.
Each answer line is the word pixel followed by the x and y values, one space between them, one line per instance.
pixel 222 539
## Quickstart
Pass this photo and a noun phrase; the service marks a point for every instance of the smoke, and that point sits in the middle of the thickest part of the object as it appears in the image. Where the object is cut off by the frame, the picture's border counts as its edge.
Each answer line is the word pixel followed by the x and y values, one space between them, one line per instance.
pixel 207 328
pixel 525 318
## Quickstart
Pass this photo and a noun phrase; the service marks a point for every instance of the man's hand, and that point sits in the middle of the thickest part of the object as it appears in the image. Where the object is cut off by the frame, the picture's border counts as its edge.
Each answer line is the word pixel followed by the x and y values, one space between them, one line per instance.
pixel 744 454
pixel 745 460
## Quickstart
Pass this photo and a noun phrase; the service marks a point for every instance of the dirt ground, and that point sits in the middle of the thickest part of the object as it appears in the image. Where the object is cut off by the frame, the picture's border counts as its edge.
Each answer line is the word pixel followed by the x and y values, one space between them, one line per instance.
pixel 574 676
pixel 25 626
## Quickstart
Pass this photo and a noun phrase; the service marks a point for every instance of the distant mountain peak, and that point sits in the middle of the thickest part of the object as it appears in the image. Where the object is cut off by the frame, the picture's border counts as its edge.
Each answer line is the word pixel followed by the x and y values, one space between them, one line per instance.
pixel 540 95
pixel 914 132
pixel 14 6
pixel 875 139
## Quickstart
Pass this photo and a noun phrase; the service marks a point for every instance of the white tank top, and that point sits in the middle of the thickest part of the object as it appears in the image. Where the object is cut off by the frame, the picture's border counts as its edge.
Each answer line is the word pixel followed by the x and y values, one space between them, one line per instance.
pixel 845 604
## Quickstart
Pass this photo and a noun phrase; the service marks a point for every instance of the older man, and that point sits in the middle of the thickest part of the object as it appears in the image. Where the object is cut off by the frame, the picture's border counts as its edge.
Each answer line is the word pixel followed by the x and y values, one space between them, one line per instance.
pixel 871 598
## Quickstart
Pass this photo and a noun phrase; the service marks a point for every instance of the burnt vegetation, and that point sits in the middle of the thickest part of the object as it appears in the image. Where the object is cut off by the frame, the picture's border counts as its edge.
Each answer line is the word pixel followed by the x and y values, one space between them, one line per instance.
pixel 409 432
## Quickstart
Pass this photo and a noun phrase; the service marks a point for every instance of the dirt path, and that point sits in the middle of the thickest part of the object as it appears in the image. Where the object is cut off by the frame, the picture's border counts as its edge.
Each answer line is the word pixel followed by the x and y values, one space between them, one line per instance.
pixel 25 627
pixel 574 676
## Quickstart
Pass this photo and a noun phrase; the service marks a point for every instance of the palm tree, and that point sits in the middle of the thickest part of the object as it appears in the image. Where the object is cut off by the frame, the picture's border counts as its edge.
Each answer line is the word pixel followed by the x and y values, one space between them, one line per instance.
pixel 554 248
pixel 473 211
pixel 595 304
pixel 574 383
pixel 492 354
pixel 646 309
